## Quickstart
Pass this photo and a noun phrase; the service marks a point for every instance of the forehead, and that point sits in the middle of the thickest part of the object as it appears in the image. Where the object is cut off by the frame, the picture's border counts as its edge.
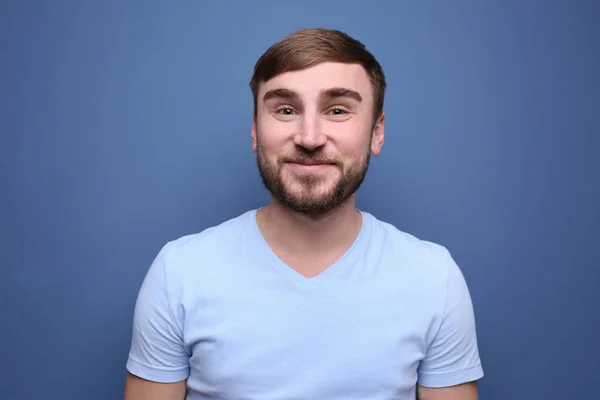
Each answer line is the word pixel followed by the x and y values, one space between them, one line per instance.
pixel 308 83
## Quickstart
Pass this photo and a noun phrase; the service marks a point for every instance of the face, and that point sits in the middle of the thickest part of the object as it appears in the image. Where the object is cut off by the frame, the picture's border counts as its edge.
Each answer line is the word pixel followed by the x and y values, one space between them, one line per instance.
pixel 314 133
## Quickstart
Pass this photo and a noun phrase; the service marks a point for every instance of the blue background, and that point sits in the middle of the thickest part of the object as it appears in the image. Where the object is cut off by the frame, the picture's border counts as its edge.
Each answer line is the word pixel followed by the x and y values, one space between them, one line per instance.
pixel 127 124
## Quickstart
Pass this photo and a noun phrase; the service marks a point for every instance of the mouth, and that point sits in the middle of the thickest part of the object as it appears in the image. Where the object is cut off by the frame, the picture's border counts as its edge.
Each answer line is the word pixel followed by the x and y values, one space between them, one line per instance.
pixel 310 163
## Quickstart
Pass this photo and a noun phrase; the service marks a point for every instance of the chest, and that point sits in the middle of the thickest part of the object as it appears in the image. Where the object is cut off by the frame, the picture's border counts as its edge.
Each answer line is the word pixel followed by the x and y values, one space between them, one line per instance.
pixel 343 344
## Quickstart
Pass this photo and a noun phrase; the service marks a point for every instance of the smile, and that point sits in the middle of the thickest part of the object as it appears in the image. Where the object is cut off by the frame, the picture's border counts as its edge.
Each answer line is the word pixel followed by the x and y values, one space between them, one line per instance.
pixel 309 166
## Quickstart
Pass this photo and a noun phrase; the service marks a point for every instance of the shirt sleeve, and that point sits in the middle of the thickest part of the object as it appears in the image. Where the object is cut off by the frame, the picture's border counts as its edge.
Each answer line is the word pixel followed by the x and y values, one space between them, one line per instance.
pixel 157 351
pixel 452 356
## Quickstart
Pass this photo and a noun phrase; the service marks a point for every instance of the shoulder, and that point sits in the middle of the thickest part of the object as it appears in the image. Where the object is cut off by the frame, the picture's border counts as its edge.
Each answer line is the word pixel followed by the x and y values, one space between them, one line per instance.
pixel 421 256
pixel 428 275
pixel 189 254
pixel 423 271
pixel 221 234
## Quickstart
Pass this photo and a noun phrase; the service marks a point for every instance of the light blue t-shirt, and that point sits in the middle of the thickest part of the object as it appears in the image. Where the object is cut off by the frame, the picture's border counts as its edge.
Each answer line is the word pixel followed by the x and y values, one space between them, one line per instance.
pixel 220 309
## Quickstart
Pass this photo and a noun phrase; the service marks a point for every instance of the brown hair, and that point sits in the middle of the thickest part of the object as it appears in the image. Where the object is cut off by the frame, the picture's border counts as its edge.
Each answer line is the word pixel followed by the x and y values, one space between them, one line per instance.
pixel 308 47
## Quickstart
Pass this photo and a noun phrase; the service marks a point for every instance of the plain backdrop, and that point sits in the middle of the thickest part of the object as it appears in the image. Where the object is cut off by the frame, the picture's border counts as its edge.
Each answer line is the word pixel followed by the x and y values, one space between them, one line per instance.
pixel 127 124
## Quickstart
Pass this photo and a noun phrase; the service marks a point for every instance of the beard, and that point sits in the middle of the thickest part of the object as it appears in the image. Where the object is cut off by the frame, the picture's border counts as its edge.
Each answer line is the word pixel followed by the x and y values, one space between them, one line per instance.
pixel 310 194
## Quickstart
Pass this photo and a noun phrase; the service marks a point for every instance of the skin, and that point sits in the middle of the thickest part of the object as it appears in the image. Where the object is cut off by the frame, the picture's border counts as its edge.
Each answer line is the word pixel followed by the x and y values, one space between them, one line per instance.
pixel 321 116
pixel 321 113
pixel 137 388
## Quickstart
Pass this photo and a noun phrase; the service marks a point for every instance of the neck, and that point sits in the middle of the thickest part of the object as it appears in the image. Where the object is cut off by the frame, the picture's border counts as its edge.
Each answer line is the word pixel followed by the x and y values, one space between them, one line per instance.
pixel 299 233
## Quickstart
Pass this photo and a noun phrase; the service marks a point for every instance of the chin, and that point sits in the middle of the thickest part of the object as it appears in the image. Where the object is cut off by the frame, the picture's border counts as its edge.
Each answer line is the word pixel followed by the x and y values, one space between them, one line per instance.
pixel 315 190
pixel 310 197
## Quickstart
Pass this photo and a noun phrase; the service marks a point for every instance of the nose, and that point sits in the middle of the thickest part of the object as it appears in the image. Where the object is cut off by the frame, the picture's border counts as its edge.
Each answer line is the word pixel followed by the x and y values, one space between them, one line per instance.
pixel 310 135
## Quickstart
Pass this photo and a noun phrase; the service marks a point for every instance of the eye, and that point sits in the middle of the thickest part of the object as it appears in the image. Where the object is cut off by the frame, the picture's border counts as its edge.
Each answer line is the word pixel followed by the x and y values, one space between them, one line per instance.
pixel 286 111
pixel 337 111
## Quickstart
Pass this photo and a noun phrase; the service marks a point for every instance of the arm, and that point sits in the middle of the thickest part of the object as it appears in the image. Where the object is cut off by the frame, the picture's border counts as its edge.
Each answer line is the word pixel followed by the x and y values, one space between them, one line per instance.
pixel 158 364
pixel 451 366
pixel 465 391
pixel 137 388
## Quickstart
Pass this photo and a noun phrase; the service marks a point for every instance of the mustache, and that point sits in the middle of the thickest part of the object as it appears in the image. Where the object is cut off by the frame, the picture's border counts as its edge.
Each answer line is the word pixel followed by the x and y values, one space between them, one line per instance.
pixel 301 157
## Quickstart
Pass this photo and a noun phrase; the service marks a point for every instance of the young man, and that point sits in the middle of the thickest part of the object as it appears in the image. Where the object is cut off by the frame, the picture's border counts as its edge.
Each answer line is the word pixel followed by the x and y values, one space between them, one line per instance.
pixel 308 297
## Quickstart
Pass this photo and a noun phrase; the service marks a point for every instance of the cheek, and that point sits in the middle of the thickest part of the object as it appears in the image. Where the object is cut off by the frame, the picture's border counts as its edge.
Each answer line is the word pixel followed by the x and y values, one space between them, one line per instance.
pixel 273 134
pixel 353 143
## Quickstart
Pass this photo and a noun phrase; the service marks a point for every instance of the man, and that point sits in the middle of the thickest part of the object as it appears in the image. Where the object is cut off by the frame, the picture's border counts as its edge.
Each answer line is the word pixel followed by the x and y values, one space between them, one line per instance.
pixel 308 297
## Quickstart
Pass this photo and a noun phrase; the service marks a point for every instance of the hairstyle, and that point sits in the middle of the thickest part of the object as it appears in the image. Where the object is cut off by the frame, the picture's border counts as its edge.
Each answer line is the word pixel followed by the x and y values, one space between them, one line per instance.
pixel 308 47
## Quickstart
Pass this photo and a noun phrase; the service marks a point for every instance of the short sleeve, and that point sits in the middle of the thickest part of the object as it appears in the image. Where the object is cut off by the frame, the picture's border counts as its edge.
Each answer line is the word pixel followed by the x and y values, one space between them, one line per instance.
pixel 157 352
pixel 452 357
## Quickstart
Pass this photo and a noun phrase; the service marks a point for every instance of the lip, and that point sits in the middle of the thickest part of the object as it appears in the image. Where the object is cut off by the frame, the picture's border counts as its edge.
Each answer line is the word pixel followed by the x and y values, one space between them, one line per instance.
pixel 309 166
pixel 310 163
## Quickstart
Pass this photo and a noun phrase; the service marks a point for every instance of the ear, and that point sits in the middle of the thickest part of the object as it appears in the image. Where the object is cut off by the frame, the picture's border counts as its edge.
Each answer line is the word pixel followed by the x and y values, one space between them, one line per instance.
pixel 378 135
pixel 253 135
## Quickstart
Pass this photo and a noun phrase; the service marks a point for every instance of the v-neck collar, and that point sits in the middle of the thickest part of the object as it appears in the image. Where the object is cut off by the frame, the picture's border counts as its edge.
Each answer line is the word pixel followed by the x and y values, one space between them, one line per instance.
pixel 269 257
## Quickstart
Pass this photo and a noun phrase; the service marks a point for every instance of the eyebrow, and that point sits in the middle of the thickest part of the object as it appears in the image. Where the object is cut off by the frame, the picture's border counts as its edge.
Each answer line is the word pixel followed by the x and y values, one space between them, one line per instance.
pixel 332 93
pixel 338 92
pixel 281 94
